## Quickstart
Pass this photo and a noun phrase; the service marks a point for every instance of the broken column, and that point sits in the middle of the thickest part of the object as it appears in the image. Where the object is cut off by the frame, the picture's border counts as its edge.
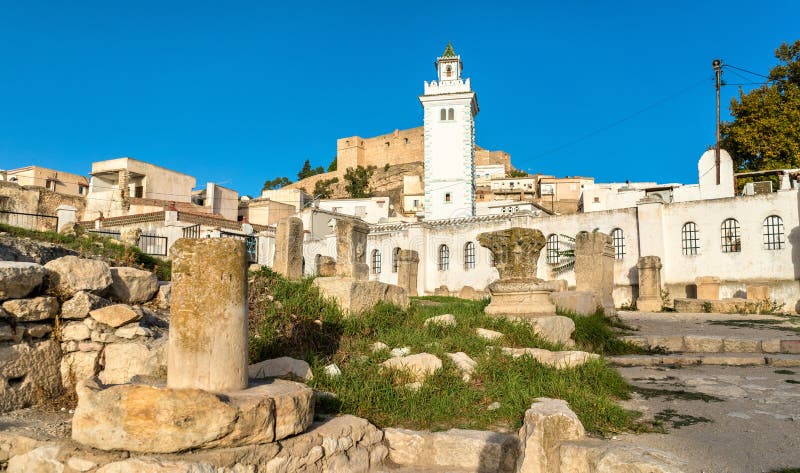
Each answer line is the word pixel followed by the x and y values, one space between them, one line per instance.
pixel 351 248
pixel 208 317
pixel 289 248
pixel 407 271
pixel 594 268
pixel 707 287
pixel 649 268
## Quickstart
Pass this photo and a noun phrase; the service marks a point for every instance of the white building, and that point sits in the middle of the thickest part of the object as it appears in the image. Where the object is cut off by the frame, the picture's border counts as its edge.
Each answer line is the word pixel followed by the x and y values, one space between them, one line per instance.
pixel 450 107
pixel 486 172
pixel 371 209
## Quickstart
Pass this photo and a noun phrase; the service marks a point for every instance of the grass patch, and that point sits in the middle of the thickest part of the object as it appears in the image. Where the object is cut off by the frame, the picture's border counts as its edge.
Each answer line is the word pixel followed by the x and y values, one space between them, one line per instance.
pixel 290 318
pixel 596 333
pixel 784 372
pixel 676 421
pixel 673 395
pixel 792 381
pixel 94 245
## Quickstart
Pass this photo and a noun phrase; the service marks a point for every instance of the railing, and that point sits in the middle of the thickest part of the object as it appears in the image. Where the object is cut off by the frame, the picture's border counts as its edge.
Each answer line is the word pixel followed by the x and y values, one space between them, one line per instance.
pixel 153 244
pixel 105 233
pixel 192 232
pixel 250 241
pixel 38 222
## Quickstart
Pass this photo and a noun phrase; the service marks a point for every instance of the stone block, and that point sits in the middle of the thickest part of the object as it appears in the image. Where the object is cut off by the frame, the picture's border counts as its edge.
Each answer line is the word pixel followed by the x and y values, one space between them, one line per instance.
pixel 355 296
pixel 442 291
pixel 277 367
pixel 444 320
pixel 742 345
pixel 32 310
pixel 452 450
pixel 468 292
pixel 707 287
pixel 116 315
pixel 703 344
pixel 772 345
pixel 29 374
pixel 594 268
pixel 69 274
pixel 18 280
pixel 649 271
pixel 132 286
pixel 547 424
pixel 756 292
pixel 79 306
pixel 76 331
pixel 419 366
pixel 124 361
pixel 790 346
pixel 670 343
pixel 488 334
pixel 531 302
pixel 289 248
pixel 78 366
pixel 164 295
pixel 351 248
pixel 326 266
pixel 553 328
pixel 464 363
pixel 39 460
pixel 554 359
pixel 577 302
pixel 596 456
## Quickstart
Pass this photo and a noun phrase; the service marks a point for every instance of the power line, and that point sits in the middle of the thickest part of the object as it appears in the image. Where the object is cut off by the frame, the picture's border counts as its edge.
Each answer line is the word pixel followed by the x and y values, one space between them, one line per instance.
pixel 749 72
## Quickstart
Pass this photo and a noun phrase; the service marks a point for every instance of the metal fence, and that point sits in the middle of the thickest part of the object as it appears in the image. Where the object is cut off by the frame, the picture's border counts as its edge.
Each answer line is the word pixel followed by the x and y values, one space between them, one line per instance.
pixel 153 244
pixel 192 232
pixel 250 241
pixel 105 233
pixel 38 222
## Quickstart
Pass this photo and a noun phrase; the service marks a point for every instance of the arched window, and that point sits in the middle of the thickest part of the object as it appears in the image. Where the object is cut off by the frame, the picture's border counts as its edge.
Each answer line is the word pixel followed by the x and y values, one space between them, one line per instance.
pixel 690 244
pixel 395 259
pixel 731 236
pixel 553 256
pixel 773 233
pixel 444 258
pixel 376 262
pixel 451 115
pixel 469 255
pixel 443 114
pixel 618 241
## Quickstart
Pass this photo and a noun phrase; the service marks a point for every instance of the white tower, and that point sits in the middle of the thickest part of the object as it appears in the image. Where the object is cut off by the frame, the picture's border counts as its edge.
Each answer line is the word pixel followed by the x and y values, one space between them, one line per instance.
pixel 450 107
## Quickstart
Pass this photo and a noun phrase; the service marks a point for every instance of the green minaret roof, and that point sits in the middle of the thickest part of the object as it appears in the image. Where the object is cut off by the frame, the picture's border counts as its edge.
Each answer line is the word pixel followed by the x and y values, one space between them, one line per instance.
pixel 448 51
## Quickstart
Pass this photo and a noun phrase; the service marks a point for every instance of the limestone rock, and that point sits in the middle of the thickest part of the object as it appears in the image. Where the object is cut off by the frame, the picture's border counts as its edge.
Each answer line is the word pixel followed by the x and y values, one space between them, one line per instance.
pixel 148 419
pixel 577 302
pixel 294 406
pixel 70 274
pixel 326 266
pixel 446 320
pixel 420 366
pixel 78 366
pixel 132 286
pixel 442 291
pixel 333 370
pixel 18 280
pixel 553 328
pixel 282 366
pixel 554 359
pixel 702 344
pixel 595 456
pixel 29 373
pixel 40 460
pixel 7 333
pixel 132 331
pixel 124 361
pixel 378 346
pixel 76 331
pixel 547 424
pixel 468 292
pixel 164 295
pixel 32 310
pixel 356 296
pixel 464 363
pixel 37 330
pixel 456 449
pixel 488 334
pixel 79 306
pixel 116 315
pixel 152 465
pixel 401 351
pixel 515 250
pixel 289 248
pixel 80 464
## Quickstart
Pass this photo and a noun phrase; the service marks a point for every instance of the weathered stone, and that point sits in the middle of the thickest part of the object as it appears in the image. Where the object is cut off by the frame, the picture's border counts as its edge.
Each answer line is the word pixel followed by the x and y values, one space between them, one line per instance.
pixel 649 270
pixel 79 306
pixel 378 346
pixel 116 315
pixel 594 268
pixel 577 302
pixel 40 460
pixel 351 248
pixel 419 366
pixel 468 292
pixel 464 363
pixel 164 295
pixel 707 287
pixel 445 320
pixel 76 331
pixel 456 449
pixel 790 346
pixel 37 330
pixel 772 345
pixel 294 405
pixel 78 366
pixel 742 345
pixel 289 248
pixel 208 316
pixel 69 274
pixel 32 310
pixel 408 271
pixel 131 331
pixel 89 346
pixel 554 359
pixel 595 456
pixel 152 465
pixel 400 351
pixel 124 361
pixel 9 333
pixel 488 334
pixel 333 370
pixel 18 280
pixel 547 424
pixel 29 373
pixel 81 464
pixel 103 337
pixel 553 328
pixel 442 291
pixel 670 343
pixel 277 367
pixel 132 286
pixel 515 250
pixel 326 266
pixel 355 296
pixel 702 344
pixel 757 292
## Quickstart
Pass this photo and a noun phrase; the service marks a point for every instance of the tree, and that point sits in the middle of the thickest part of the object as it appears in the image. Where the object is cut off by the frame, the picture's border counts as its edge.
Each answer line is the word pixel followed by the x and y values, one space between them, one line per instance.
pixel 276 183
pixel 322 189
pixel 765 131
pixel 517 173
pixel 358 181
pixel 307 171
pixel 332 165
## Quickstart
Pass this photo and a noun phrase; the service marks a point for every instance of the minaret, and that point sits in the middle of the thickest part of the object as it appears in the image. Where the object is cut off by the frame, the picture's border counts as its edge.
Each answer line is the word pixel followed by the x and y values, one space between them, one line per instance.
pixel 450 107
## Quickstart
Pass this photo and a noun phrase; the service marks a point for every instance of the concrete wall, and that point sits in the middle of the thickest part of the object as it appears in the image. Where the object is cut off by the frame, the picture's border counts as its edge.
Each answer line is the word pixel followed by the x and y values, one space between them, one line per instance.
pixel 221 200
pixel 56 181
pixel 371 210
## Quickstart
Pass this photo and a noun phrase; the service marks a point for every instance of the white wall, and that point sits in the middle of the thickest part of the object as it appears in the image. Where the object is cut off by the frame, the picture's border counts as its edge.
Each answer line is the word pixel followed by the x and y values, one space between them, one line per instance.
pixel 371 210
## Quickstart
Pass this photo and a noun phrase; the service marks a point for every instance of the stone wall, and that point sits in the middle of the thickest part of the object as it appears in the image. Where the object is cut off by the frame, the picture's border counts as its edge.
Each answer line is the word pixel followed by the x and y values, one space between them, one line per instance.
pixel 36 200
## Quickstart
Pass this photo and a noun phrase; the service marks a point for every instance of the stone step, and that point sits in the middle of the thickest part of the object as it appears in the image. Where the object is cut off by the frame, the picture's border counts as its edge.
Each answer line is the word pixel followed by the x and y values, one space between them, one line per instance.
pixel 716 344
pixel 722 359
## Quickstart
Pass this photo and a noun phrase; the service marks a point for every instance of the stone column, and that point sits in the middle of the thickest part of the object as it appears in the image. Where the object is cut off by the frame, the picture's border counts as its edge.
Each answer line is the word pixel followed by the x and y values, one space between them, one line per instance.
pixel 351 248
pixel 208 316
pixel 594 268
pixel 67 216
pixel 289 248
pixel 649 268
pixel 407 271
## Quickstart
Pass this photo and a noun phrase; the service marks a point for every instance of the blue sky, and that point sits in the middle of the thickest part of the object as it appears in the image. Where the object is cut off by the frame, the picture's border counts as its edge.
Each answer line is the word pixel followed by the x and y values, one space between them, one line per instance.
pixel 239 92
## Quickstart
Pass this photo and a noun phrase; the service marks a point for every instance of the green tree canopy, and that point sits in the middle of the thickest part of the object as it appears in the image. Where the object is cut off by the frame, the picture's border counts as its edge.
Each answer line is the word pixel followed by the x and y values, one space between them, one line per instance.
pixel 276 183
pixel 322 189
pixel 333 164
pixel 358 181
pixel 765 131
pixel 307 171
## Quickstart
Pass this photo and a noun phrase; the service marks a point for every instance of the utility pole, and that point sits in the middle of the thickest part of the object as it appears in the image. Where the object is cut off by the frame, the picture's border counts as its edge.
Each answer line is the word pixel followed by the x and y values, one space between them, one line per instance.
pixel 717 64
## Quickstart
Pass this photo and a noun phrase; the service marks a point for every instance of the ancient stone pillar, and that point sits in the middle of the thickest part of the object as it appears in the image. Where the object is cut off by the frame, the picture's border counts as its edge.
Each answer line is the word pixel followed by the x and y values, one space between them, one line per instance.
pixel 594 268
pixel 66 217
pixel 289 248
pixel 351 248
pixel 707 287
pixel 649 268
pixel 208 316
pixel 757 292
pixel 407 271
